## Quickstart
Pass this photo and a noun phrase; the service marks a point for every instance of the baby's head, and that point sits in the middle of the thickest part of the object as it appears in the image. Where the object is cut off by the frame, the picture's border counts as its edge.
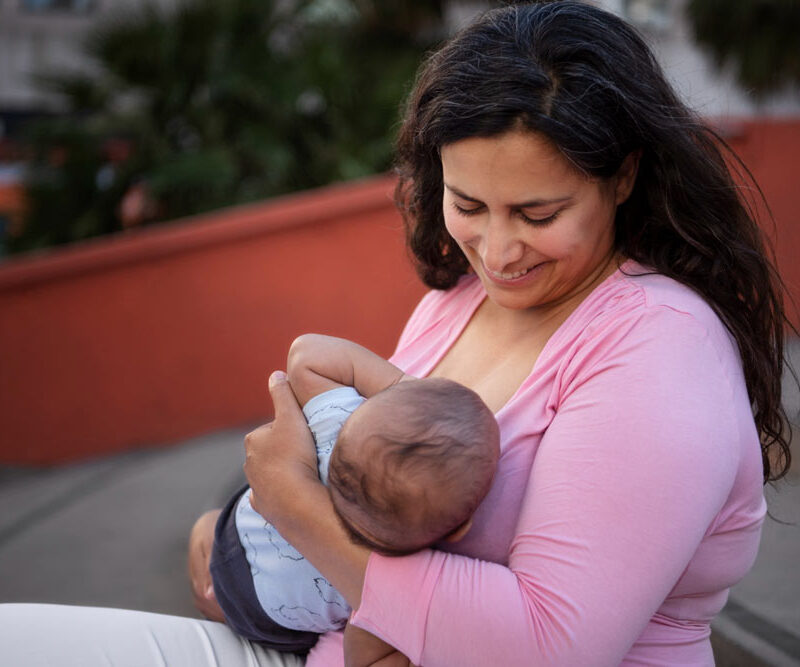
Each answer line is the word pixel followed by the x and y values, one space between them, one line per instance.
pixel 412 464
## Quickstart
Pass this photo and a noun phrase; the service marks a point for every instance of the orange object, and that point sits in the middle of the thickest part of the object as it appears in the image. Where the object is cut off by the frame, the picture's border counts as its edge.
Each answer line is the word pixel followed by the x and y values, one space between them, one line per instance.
pixel 12 206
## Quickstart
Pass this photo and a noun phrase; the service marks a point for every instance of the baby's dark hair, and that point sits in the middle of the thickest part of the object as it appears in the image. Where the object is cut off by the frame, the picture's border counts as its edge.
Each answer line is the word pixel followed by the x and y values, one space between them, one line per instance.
pixel 414 465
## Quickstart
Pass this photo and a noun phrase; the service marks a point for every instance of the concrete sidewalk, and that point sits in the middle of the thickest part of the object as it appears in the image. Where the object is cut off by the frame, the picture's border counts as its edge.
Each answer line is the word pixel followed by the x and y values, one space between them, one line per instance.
pixel 113 533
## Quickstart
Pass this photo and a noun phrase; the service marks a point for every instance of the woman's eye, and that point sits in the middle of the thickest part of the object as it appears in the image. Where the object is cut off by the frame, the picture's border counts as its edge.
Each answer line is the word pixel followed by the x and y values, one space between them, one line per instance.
pixel 466 211
pixel 539 222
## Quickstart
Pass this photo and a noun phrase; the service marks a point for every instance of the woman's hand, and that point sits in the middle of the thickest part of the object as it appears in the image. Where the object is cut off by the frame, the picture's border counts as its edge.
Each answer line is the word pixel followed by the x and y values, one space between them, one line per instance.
pixel 201 539
pixel 280 457
pixel 281 466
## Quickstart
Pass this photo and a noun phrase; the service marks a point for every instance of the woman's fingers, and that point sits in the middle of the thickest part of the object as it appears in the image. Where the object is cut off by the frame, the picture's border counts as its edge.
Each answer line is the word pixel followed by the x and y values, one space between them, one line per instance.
pixel 284 441
pixel 276 453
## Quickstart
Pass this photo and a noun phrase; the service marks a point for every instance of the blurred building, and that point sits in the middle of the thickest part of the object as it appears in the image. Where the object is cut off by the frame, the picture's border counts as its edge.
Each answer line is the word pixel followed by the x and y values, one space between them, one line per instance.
pixel 715 94
pixel 39 36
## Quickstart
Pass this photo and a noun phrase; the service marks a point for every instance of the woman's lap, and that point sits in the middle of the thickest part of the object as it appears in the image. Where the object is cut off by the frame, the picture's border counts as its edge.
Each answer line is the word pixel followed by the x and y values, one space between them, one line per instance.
pixel 43 634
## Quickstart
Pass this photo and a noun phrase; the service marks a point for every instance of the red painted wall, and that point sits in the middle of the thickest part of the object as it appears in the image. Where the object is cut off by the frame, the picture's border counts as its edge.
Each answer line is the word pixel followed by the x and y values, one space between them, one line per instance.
pixel 771 150
pixel 172 331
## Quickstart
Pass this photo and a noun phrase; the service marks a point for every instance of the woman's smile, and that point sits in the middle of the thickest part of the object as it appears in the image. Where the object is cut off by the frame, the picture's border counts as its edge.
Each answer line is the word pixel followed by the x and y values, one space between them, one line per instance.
pixel 515 278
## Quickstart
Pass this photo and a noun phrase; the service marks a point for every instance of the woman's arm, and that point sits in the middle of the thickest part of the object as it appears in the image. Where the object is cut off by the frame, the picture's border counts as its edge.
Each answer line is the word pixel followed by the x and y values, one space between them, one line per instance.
pixel 281 467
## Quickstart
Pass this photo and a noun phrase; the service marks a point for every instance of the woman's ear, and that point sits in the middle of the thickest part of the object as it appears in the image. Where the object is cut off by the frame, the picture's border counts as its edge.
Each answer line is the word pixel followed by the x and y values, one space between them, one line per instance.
pixel 459 532
pixel 626 176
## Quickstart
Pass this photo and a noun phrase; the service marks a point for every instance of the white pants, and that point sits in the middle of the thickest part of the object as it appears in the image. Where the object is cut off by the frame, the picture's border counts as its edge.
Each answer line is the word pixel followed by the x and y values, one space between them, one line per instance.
pixel 40 635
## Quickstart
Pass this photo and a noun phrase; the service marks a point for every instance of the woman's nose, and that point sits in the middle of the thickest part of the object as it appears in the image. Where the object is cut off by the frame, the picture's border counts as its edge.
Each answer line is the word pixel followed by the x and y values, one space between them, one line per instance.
pixel 501 245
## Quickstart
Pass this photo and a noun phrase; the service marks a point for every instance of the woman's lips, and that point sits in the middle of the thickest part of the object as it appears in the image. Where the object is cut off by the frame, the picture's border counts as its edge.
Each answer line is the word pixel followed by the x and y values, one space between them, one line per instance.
pixel 515 277
pixel 510 276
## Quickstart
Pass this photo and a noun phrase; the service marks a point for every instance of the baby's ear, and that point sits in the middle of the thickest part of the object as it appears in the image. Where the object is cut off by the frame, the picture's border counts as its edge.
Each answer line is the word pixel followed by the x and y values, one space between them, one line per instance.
pixel 459 532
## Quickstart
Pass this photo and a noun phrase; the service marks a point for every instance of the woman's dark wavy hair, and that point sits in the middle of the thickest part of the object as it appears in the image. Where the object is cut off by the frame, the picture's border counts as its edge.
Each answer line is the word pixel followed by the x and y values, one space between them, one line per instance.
pixel 586 80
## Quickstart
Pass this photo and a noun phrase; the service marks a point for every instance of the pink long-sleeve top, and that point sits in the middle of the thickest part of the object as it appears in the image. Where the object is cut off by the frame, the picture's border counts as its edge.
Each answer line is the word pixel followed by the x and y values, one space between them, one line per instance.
pixel 627 499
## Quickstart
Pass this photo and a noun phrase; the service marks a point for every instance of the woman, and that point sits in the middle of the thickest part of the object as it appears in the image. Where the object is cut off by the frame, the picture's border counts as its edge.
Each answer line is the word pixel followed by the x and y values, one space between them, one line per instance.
pixel 607 294
pixel 600 284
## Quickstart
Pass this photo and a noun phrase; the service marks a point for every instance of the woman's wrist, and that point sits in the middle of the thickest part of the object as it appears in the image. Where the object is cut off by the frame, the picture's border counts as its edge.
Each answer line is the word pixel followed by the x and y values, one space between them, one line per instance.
pixel 276 493
pixel 310 524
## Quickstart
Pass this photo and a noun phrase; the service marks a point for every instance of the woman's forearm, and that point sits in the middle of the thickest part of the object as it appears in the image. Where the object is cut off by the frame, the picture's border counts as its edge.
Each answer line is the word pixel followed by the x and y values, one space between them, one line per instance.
pixel 309 523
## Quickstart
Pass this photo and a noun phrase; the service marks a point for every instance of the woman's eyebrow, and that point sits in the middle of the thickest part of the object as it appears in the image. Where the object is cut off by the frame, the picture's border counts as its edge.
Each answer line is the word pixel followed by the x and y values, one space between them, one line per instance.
pixel 534 203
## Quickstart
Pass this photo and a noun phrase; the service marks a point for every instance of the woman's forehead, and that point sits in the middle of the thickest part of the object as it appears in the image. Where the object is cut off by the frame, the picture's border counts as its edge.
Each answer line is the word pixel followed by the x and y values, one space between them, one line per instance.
pixel 522 165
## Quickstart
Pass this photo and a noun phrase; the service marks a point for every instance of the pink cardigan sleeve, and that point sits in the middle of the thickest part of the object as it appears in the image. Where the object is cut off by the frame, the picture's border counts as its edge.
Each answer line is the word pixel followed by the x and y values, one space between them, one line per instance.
pixel 636 464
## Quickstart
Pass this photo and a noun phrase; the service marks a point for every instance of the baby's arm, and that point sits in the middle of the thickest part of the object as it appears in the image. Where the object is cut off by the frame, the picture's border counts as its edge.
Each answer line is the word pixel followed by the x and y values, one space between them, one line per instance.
pixel 318 363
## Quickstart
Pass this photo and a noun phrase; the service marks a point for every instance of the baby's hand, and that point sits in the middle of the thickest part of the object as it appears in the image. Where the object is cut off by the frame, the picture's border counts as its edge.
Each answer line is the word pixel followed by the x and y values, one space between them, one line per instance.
pixel 201 539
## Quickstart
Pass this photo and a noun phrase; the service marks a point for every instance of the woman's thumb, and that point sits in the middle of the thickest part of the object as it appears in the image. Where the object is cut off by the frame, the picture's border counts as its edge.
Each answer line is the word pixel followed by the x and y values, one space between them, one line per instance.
pixel 276 378
pixel 283 400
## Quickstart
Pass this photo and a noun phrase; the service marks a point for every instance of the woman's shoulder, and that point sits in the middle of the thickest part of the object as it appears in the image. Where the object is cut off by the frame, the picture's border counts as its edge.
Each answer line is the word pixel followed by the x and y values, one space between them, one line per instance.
pixel 637 296
pixel 637 315
pixel 652 342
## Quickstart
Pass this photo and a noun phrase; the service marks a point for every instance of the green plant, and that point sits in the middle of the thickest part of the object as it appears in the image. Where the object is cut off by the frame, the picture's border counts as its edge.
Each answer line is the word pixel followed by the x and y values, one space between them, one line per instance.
pixel 216 103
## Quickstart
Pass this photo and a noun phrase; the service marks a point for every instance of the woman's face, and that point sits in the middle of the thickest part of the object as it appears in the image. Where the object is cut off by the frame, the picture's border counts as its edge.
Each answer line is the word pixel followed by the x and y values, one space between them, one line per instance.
pixel 535 230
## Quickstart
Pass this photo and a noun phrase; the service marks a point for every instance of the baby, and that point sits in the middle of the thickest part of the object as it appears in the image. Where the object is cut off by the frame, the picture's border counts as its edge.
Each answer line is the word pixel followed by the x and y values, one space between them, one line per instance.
pixel 406 467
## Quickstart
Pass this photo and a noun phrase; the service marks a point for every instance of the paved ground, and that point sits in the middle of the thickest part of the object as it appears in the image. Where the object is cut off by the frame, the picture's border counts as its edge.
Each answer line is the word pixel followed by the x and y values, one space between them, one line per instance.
pixel 762 617
pixel 112 532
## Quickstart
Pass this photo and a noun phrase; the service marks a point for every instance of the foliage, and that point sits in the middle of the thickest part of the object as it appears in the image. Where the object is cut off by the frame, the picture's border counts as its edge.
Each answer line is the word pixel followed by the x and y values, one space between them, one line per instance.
pixel 759 37
pixel 215 103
